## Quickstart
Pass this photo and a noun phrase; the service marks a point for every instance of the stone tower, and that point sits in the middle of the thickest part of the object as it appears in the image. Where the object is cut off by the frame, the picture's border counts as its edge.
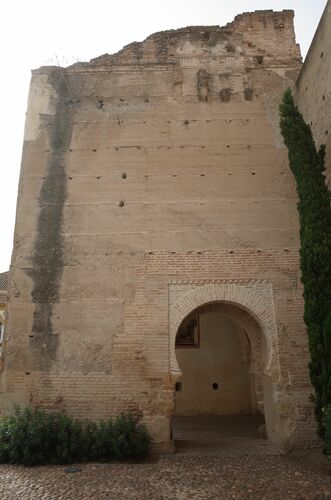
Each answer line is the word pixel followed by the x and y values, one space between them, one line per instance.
pixel 155 185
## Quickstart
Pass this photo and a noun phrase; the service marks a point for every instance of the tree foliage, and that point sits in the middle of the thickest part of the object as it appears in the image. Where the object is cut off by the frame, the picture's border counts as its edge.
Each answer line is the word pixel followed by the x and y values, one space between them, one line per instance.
pixel 308 166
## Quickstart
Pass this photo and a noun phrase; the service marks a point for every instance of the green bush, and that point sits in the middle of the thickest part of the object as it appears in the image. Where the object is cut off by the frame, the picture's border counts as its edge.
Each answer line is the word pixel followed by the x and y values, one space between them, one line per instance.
pixel 32 437
pixel 129 440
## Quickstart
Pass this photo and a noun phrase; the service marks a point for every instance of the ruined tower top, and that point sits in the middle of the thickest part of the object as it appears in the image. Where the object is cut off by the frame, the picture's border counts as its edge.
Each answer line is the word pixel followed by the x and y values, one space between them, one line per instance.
pixel 261 34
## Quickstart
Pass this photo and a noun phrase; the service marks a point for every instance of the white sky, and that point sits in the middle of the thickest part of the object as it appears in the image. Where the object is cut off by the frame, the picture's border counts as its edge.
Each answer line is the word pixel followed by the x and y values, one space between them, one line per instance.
pixel 38 32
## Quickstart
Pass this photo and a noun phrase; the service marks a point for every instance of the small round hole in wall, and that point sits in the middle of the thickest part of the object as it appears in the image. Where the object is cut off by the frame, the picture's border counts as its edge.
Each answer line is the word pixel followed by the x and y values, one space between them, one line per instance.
pixel 121 203
pixel 215 386
pixel 124 175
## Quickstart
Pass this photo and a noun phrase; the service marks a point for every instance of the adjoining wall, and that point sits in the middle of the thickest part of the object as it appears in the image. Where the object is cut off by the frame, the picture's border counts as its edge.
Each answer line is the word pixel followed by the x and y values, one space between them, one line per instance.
pixel 314 86
pixel 3 302
pixel 217 360
pixel 163 162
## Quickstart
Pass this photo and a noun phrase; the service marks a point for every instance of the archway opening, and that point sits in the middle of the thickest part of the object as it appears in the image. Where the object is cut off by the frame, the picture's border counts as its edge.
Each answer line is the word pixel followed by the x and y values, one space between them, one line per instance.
pixel 219 394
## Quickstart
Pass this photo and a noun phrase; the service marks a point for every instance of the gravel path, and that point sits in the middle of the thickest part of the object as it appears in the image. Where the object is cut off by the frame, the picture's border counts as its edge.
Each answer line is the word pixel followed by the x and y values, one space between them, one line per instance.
pixel 176 477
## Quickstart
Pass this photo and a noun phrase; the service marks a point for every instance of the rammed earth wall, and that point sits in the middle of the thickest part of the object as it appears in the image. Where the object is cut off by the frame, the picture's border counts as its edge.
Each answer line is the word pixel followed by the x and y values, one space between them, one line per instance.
pixel 145 174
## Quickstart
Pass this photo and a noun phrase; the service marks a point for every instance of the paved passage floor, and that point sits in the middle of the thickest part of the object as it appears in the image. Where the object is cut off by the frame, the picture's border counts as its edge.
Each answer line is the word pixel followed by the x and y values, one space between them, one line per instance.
pixel 220 434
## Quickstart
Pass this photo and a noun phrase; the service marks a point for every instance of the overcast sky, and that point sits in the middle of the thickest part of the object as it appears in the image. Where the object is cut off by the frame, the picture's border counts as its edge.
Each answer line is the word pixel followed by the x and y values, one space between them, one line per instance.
pixel 39 32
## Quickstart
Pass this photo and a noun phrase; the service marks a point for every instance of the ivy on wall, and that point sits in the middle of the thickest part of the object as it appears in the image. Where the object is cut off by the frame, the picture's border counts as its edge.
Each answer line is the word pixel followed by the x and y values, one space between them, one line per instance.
pixel 308 166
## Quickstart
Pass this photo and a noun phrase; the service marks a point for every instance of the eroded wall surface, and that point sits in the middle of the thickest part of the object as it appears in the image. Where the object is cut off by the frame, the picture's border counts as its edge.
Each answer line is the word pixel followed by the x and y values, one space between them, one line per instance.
pixel 162 162
pixel 314 86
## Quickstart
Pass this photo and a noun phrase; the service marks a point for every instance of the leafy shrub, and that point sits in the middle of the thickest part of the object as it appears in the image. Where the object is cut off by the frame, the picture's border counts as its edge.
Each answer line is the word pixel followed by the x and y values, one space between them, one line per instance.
pixel 32 437
pixel 129 439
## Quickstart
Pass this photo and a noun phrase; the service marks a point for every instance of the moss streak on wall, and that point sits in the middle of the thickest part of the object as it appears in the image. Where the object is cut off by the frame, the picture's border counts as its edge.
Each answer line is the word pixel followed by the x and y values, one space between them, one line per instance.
pixel 48 248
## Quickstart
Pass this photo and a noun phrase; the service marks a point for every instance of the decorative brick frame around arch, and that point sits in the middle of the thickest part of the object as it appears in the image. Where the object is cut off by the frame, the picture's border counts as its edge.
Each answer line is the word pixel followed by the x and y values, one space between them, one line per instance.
pixel 254 298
